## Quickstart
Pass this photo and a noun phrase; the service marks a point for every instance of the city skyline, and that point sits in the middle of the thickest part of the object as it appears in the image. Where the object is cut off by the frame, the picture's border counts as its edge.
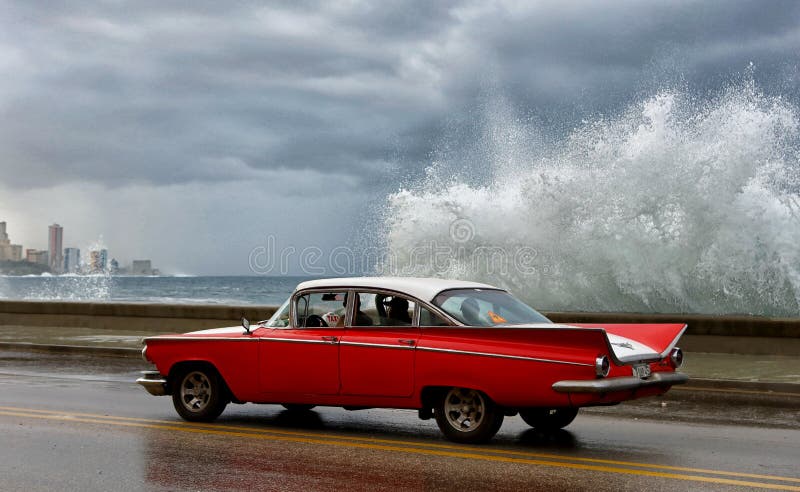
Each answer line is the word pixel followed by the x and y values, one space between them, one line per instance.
pixel 60 259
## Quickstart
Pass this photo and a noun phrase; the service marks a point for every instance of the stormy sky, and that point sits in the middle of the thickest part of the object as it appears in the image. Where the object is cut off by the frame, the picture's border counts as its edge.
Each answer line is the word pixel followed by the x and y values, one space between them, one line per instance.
pixel 190 132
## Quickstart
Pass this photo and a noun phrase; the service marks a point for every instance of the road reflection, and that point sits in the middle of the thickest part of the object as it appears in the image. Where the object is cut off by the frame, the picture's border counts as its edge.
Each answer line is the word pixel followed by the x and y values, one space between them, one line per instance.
pixel 178 460
pixel 560 439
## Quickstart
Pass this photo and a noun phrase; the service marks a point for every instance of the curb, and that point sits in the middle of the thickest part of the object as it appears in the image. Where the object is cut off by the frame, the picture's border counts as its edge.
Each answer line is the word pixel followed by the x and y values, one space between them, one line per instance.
pixel 100 351
pixel 740 390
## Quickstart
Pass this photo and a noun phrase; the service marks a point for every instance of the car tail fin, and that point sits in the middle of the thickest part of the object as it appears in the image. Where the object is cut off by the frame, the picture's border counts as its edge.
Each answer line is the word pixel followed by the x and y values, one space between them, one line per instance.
pixel 632 342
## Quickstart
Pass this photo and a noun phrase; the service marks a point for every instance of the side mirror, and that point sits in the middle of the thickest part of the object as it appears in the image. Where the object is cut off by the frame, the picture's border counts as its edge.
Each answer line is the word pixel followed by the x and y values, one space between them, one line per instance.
pixel 246 325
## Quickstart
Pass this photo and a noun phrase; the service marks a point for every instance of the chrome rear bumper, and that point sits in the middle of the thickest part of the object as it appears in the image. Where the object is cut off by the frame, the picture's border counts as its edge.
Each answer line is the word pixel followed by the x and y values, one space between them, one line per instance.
pixel 153 382
pixel 620 384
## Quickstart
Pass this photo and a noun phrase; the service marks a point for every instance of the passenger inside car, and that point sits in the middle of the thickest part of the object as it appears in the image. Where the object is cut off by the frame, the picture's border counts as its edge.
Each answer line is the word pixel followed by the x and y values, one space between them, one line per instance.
pixel 471 312
pixel 397 312
pixel 360 319
pixel 393 310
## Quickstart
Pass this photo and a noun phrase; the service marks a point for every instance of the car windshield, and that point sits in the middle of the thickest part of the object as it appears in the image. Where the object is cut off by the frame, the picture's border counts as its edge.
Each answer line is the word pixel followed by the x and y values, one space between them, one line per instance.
pixel 281 317
pixel 487 307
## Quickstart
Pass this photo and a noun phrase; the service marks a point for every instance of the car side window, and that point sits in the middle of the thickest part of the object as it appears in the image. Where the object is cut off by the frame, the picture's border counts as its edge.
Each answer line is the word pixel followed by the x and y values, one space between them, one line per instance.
pixel 429 318
pixel 320 309
pixel 475 312
pixel 379 309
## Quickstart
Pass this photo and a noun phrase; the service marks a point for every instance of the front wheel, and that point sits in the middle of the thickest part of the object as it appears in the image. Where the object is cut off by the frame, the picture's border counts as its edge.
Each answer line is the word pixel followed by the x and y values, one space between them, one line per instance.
pixel 199 394
pixel 548 419
pixel 467 416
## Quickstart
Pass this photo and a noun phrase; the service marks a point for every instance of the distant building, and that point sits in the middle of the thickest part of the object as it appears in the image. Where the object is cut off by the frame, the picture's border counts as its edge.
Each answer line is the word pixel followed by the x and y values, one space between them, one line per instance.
pixel 37 256
pixel 54 247
pixel 8 251
pixel 114 265
pixel 14 252
pixel 98 261
pixel 141 267
pixel 72 260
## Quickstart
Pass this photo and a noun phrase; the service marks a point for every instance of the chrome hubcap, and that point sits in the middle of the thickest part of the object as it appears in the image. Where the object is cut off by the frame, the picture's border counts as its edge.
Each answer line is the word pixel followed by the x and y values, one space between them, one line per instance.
pixel 464 409
pixel 195 391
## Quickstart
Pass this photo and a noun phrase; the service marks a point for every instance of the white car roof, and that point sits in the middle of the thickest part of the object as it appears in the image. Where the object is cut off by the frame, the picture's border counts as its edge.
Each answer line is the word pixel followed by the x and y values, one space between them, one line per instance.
pixel 421 288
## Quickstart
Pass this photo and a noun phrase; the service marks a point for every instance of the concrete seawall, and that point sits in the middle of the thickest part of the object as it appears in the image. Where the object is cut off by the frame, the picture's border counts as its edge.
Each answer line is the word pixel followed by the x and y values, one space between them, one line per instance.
pixel 158 318
pixel 721 334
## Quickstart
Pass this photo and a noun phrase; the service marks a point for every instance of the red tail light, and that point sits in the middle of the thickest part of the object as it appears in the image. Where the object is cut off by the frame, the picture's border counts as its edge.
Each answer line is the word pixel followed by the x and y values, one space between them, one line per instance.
pixel 676 356
pixel 602 366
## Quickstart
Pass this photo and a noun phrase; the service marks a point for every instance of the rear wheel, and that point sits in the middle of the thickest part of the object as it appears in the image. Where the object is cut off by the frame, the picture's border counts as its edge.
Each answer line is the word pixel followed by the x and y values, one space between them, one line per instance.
pixel 548 419
pixel 467 416
pixel 199 394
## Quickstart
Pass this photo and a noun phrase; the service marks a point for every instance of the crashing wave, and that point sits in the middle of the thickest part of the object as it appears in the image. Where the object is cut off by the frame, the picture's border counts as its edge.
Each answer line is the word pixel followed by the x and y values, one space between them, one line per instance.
pixel 677 205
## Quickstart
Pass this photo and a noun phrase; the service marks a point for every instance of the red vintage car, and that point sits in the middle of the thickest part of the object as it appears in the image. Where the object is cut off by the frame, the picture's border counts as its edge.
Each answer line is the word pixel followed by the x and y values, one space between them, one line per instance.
pixel 464 353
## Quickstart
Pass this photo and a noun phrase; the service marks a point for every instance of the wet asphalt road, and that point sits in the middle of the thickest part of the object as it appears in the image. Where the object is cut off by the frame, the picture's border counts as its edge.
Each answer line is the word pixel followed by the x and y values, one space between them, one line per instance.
pixel 77 423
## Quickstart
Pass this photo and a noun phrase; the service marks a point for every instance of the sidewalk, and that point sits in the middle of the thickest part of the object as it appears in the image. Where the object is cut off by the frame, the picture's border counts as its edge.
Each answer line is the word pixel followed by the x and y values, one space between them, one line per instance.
pixel 731 370
pixel 74 336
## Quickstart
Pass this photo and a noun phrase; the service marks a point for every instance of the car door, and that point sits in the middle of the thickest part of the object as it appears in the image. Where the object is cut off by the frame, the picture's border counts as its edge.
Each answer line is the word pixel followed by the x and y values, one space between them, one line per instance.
pixel 303 359
pixel 377 349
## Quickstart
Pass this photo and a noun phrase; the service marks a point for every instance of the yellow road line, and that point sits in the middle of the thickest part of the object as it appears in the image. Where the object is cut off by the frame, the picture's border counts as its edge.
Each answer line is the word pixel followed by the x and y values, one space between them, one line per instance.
pixel 401 449
pixel 323 435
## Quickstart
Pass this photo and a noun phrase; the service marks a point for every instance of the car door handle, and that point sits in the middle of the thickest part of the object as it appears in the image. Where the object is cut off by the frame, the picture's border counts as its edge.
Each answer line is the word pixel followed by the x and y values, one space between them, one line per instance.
pixel 330 339
pixel 407 341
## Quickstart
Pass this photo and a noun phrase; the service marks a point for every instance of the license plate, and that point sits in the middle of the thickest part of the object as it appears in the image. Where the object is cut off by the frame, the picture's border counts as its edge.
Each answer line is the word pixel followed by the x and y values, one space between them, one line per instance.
pixel 642 371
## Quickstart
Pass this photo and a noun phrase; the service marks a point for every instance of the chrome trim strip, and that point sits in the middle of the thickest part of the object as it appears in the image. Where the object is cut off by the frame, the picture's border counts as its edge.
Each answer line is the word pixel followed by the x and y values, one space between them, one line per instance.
pixel 532 326
pixel 620 384
pixel 298 340
pixel 204 339
pixel 502 356
pixel 378 345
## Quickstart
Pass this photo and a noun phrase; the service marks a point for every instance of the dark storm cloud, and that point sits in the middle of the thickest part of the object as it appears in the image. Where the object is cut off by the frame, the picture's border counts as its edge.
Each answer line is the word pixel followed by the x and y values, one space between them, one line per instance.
pixel 156 93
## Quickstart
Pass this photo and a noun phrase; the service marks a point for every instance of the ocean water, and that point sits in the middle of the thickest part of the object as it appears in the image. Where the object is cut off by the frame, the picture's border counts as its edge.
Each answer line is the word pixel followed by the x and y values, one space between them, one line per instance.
pixel 252 290
pixel 679 204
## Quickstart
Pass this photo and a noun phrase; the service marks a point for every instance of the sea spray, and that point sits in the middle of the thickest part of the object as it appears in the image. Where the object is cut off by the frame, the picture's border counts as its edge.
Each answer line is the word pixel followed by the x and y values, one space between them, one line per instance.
pixel 676 205
pixel 94 283
pixel 91 287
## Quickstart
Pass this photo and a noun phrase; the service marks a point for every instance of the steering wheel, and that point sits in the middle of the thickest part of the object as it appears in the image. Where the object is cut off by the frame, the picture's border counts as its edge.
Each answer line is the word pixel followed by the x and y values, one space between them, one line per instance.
pixel 315 321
